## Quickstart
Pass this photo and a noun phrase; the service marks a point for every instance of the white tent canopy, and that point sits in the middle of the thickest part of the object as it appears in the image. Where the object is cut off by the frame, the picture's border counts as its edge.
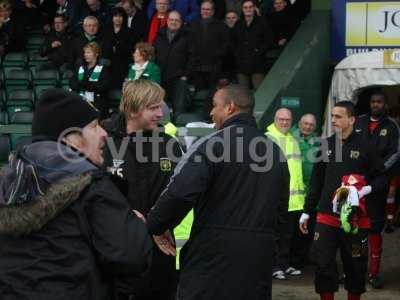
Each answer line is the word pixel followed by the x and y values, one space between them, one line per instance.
pixel 360 71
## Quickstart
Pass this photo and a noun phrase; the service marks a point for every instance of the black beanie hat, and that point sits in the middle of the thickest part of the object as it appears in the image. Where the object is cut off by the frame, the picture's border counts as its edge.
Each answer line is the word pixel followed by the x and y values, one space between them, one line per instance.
pixel 57 110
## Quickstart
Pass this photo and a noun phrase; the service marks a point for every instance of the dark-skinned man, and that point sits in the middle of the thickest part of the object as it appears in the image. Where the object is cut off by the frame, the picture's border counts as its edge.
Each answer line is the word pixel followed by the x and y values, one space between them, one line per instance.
pixel 235 182
pixel 383 133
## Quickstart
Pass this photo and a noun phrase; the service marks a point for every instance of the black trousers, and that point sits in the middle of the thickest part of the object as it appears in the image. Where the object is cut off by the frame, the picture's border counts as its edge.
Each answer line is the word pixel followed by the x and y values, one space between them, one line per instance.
pixel 354 253
pixel 177 96
pixel 291 245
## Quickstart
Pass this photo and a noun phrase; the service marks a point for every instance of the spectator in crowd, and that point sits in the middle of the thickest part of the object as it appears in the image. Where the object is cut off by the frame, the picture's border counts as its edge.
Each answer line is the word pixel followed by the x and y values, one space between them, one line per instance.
pixel 98 9
pixel 357 167
pixel 209 42
pixel 91 79
pixel 252 38
pixel 282 22
pixel 231 18
pixel 56 45
pixel 306 137
pixel 233 218
pixel 158 19
pixel 142 66
pixel 383 133
pixel 300 9
pixel 27 12
pixel 64 227
pixel 141 112
pixel 11 31
pixel 72 10
pixel 48 11
pixel 309 145
pixel 137 20
pixel 89 34
pixel 286 255
pixel 172 54
pixel 117 46
pixel 188 9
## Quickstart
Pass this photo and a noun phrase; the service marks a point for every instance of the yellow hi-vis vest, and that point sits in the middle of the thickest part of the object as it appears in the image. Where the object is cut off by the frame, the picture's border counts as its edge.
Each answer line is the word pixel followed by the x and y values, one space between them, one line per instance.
pixel 290 148
pixel 182 233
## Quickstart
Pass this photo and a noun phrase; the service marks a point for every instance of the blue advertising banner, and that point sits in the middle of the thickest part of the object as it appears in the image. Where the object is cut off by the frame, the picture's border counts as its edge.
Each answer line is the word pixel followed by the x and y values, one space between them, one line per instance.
pixel 363 26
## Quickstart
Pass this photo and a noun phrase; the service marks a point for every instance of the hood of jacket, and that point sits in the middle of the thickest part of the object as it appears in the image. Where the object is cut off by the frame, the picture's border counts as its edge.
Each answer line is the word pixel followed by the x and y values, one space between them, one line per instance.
pixel 52 177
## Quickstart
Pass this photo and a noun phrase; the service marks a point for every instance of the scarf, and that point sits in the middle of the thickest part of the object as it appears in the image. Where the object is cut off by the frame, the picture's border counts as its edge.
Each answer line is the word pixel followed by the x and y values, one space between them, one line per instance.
pixel 157 22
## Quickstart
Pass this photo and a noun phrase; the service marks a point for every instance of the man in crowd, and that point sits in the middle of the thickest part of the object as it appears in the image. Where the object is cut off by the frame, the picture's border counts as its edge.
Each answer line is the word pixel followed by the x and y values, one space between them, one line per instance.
pixel 56 45
pixel 188 9
pixel 346 160
pixel 11 31
pixel 172 55
pixel 137 20
pixel 285 255
pixel 158 20
pixel 89 34
pixel 142 174
pixel 383 133
pixel 98 9
pixel 230 249
pixel 65 229
pixel 209 40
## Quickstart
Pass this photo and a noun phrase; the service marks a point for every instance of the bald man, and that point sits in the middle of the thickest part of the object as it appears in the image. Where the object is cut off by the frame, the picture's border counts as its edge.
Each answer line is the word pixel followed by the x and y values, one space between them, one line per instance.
pixel 286 261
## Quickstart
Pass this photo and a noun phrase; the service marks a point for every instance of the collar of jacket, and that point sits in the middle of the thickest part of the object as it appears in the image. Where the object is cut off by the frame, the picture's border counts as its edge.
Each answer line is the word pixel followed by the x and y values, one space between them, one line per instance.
pixel 295 131
pixel 241 119
pixel 274 130
pixel 116 127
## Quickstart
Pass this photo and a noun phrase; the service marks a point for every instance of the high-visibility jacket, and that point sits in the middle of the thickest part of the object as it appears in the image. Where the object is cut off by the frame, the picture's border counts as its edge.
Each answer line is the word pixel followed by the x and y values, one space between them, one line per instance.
pixel 290 148
pixel 182 233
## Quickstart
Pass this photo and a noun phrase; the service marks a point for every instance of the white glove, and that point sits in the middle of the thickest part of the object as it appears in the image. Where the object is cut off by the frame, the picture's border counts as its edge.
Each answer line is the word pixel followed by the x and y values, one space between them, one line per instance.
pixel 365 190
pixel 304 217
pixel 353 197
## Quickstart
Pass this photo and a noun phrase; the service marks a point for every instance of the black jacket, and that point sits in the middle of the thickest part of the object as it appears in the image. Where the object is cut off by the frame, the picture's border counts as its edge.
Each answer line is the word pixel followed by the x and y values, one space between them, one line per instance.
pixel 142 182
pixel 236 202
pixel 59 55
pixel 283 24
pixel 385 139
pixel 250 44
pixel 172 57
pixel 72 241
pixel 354 156
pixel 209 42
pixel 117 47
pixel 12 36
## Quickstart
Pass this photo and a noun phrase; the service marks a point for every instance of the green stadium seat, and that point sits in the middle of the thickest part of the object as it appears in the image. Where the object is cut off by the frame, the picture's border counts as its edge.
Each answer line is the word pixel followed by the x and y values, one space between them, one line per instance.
pixel 46 77
pixel 17 78
pixel 3 118
pixel 22 117
pixel 17 59
pixel 35 60
pixel 5 148
pixel 34 42
pixel 38 90
pixel 19 101
pixel 65 77
pixel 19 139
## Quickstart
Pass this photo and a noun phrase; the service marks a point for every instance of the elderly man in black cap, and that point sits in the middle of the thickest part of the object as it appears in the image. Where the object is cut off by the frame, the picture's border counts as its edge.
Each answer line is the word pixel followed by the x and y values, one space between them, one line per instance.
pixel 62 222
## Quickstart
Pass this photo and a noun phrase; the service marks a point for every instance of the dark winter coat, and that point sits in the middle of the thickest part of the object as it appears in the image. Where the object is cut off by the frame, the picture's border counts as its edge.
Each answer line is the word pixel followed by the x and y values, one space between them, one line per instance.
pixel 59 55
pixel 142 182
pixel 250 44
pixel 172 57
pixel 236 203
pixel 69 242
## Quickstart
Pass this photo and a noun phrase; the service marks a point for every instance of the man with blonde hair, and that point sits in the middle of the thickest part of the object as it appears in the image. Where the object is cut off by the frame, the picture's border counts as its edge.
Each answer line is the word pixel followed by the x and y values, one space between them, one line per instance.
pixel 141 159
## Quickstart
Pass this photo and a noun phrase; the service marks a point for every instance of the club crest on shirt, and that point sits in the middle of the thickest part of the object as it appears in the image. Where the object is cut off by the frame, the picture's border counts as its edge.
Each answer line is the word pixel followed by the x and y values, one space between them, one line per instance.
pixel 165 164
pixel 383 132
pixel 354 154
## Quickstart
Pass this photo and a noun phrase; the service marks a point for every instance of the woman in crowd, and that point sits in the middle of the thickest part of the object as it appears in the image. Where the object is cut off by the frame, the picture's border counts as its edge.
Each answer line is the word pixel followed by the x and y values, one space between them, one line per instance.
pixel 91 79
pixel 142 66
pixel 117 46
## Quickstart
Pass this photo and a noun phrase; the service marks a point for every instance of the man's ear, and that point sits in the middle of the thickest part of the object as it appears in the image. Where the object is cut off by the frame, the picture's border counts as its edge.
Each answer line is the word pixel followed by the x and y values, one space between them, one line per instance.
pixel 231 108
